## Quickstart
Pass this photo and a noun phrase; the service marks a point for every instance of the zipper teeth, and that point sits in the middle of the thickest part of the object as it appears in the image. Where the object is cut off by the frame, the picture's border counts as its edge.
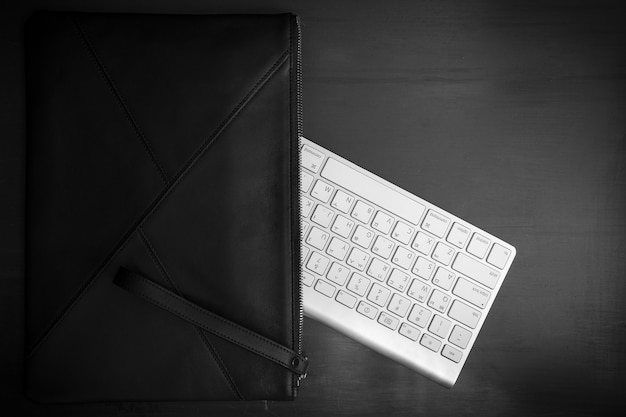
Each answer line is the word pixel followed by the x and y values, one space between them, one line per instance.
pixel 299 132
pixel 299 78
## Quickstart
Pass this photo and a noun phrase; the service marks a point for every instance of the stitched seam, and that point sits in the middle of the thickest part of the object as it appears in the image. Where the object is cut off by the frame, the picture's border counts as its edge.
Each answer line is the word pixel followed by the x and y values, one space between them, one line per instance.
pixel 192 320
pixel 212 352
pixel 118 97
pixel 197 323
pixel 80 292
pixel 220 363
pixel 156 203
pixel 206 144
pixel 155 258
pixel 211 315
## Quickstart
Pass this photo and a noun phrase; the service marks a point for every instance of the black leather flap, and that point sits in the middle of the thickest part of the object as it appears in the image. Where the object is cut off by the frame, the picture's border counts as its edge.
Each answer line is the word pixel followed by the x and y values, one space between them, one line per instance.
pixel 167 145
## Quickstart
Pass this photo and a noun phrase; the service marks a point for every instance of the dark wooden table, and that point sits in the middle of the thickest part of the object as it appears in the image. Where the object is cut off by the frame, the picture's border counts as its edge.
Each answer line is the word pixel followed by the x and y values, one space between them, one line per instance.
pixel 511 115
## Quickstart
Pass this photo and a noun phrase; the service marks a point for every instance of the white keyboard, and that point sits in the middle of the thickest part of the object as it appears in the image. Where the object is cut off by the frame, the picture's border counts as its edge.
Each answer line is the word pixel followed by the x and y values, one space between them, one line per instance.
pixel 391 270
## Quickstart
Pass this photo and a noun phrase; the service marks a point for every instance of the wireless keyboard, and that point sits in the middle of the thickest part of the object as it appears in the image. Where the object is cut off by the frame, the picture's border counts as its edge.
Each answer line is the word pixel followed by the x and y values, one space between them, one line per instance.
pixel 391 270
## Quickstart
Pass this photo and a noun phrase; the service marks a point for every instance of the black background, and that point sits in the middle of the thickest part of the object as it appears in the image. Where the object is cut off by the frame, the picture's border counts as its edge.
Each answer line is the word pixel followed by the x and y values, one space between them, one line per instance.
pixel 509 114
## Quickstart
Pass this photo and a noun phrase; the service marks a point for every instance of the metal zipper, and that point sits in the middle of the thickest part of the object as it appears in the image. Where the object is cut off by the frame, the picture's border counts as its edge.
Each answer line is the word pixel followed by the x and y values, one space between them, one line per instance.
pixel 299 79
pixel 299 133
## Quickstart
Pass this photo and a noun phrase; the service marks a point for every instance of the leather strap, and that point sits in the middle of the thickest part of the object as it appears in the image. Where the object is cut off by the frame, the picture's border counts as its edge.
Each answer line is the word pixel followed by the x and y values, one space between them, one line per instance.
pixel 162 297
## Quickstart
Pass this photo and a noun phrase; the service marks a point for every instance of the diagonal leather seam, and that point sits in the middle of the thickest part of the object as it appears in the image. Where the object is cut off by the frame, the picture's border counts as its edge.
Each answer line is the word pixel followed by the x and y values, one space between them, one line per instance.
pixel 210 348
pixel 157 260
pixel 118 97
pixel 206 144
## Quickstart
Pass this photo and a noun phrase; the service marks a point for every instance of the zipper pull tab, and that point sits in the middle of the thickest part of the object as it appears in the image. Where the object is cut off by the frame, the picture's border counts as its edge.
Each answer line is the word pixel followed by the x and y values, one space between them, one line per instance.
pixel 299 365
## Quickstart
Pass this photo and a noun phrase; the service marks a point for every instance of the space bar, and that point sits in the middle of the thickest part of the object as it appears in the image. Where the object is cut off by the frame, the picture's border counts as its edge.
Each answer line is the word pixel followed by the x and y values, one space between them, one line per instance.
pixel 373 191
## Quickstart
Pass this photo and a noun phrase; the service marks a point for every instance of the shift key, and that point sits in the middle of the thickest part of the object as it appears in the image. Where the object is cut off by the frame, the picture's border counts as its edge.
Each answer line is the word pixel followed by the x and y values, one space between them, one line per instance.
pixel 476 270
pixel 464 314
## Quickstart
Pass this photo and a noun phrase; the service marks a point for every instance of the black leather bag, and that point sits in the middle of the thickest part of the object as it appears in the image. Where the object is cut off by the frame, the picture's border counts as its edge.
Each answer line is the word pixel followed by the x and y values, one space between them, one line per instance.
pixel 162 207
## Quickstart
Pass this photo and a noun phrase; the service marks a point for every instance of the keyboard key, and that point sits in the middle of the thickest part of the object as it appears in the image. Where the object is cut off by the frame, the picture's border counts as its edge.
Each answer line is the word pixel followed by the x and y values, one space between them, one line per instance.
pixel 338 273
pixel 382 247
pixel 382 222
pixel 419 316
pixel 342 226
pixel 307 278
pixel 358 259
pixel 306 205
pixel 403 257
pixel 440 326
pixel 460 336
pixel 337 249
pixel 358 284
pixel 443 253
pixel 439 301
pixel 363 237
pixel 342 201
pixel 399 305
pixel 443 278
pixel 378 269
pixel 325 288
pixel 458 235
pixel 423 243
pixel 478 245
pixel 362 212
pixel 372 190
pixel 317 263
pixel 409 331
pixel 472 293
pixel 430 342
pixel 419 291
pixel 346 299
pixel 311 159
pixel 477 271
pixel 317 238
pixel 498 256
pixel 367 310
pixel 378 295
pixel 388 320
pixel 398 280
pixel 322 215
pixel 306 180
pixel 464 314
pixel 322 191
pixel 451 353
pixel 435 223
pixel 423 268
pixel 402 233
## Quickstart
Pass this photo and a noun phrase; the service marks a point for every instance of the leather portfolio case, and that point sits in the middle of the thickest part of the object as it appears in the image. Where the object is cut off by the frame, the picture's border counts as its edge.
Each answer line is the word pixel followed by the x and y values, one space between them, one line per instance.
pixel 162 207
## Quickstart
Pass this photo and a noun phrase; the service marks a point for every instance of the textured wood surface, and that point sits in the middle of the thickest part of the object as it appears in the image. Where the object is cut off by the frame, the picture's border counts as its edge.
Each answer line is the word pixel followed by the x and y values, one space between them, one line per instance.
pixel 511 115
